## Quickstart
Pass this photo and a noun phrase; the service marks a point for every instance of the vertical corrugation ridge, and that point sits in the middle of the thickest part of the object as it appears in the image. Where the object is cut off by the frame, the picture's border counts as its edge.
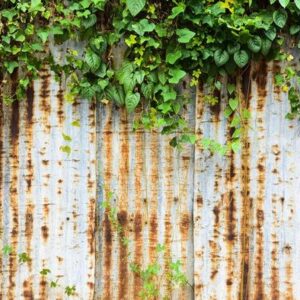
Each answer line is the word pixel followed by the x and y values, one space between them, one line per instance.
pixel 14 190
pixel 139 216
pixel 123 198
pixel 28 178
pixel 244 84
pixel 1 193
pixel 261 80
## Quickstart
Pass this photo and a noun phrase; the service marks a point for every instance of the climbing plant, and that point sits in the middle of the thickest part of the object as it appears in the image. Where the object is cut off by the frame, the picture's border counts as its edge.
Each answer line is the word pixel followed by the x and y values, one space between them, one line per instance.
pixel 139 53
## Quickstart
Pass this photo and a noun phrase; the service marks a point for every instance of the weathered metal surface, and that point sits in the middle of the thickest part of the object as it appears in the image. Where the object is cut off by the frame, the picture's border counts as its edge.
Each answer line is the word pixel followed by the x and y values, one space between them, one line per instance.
pixel 153 193
pixel 232 221
pixel 47 198
pixel 246 211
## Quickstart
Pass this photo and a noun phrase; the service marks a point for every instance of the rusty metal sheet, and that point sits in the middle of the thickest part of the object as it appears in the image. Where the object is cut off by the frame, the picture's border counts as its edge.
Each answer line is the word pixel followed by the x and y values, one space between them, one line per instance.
pixel 47 198
pixel 246 209
pixel 153 194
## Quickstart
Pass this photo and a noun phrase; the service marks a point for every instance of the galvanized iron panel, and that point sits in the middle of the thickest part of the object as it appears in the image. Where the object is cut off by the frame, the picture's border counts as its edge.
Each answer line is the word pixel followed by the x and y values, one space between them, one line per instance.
pixel 153 194
pixel 47 198
pixel 246 211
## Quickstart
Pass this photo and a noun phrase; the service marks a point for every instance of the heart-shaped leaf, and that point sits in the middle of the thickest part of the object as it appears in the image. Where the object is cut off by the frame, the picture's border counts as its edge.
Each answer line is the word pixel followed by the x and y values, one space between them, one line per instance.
pixel 284 3
pixel 221 57
pixel 131 101
pixel 135 6
pixel 254 44
pixel 241 58
pixel 280 17
pixel 92 60
pixel 184 35
pixel 266 46
pixel 176 75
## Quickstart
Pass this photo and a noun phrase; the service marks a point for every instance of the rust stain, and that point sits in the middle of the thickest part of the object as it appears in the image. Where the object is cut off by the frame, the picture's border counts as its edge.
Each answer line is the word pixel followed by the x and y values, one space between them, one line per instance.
pixel 27 290
pixel 44 95
pixel 245 84
pixel 43 288
pixel 123 203
pixel 184 226
pixel 91 225
pixel 154 144
pixel 261 80
pixel 138 218
pixel 14 180
pixel 45 232
pixel 138 227
pixel 214 250
pixel 276 70
pixel 289 293
pixel 230 223
pixel 169 191
pixel 60 107
pixel 123 268
pixel 107 256
pixel 29 228
pixel 107 230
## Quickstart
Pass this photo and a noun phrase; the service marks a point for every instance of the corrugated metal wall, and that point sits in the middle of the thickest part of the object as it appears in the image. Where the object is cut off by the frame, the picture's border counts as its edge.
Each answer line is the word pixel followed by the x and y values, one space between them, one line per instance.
pixel 233 221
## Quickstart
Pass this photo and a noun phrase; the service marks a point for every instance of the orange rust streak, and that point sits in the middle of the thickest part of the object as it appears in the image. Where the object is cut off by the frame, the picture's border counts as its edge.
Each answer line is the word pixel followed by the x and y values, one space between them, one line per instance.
pixel 14 165
pixel 29 177
pixel 169 199
pixel 45 106
pixel 245 85
pixel 261 79
pixel 138 218
pixel 123 205
pixel 107 230
pixel 154 176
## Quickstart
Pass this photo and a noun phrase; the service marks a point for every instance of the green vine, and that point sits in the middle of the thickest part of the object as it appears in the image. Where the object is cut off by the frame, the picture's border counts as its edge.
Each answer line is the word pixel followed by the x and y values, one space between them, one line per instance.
pixel 144 53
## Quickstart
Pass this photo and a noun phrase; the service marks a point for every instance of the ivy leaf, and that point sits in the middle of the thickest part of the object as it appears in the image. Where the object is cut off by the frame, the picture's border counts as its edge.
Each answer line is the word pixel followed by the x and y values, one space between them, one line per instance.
pixel 180 8
pixel 266 46
pixel 7 250
pixel 131 101
pixel 20 37
pixel 115 94
pixel 135 6
pixel 232 48
pixel 125 72
pixel 284 3
pixel 43 35
pixel 143 26
pixel 35 5
pixel 241 58
pixel 176 75
pixel 271 33
pixel 294 29
pixel 254 44
pixel 10 66
pixel 297 2
pixel 66 137
pixel 280 17
pixel 236 146
pixel 227 112
pixel 93 60
pixel 67 149
pixel 172 57
pixel 231 88
pixel 221 57
pixel 184 35
pixel 233 103
pixel 162 77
